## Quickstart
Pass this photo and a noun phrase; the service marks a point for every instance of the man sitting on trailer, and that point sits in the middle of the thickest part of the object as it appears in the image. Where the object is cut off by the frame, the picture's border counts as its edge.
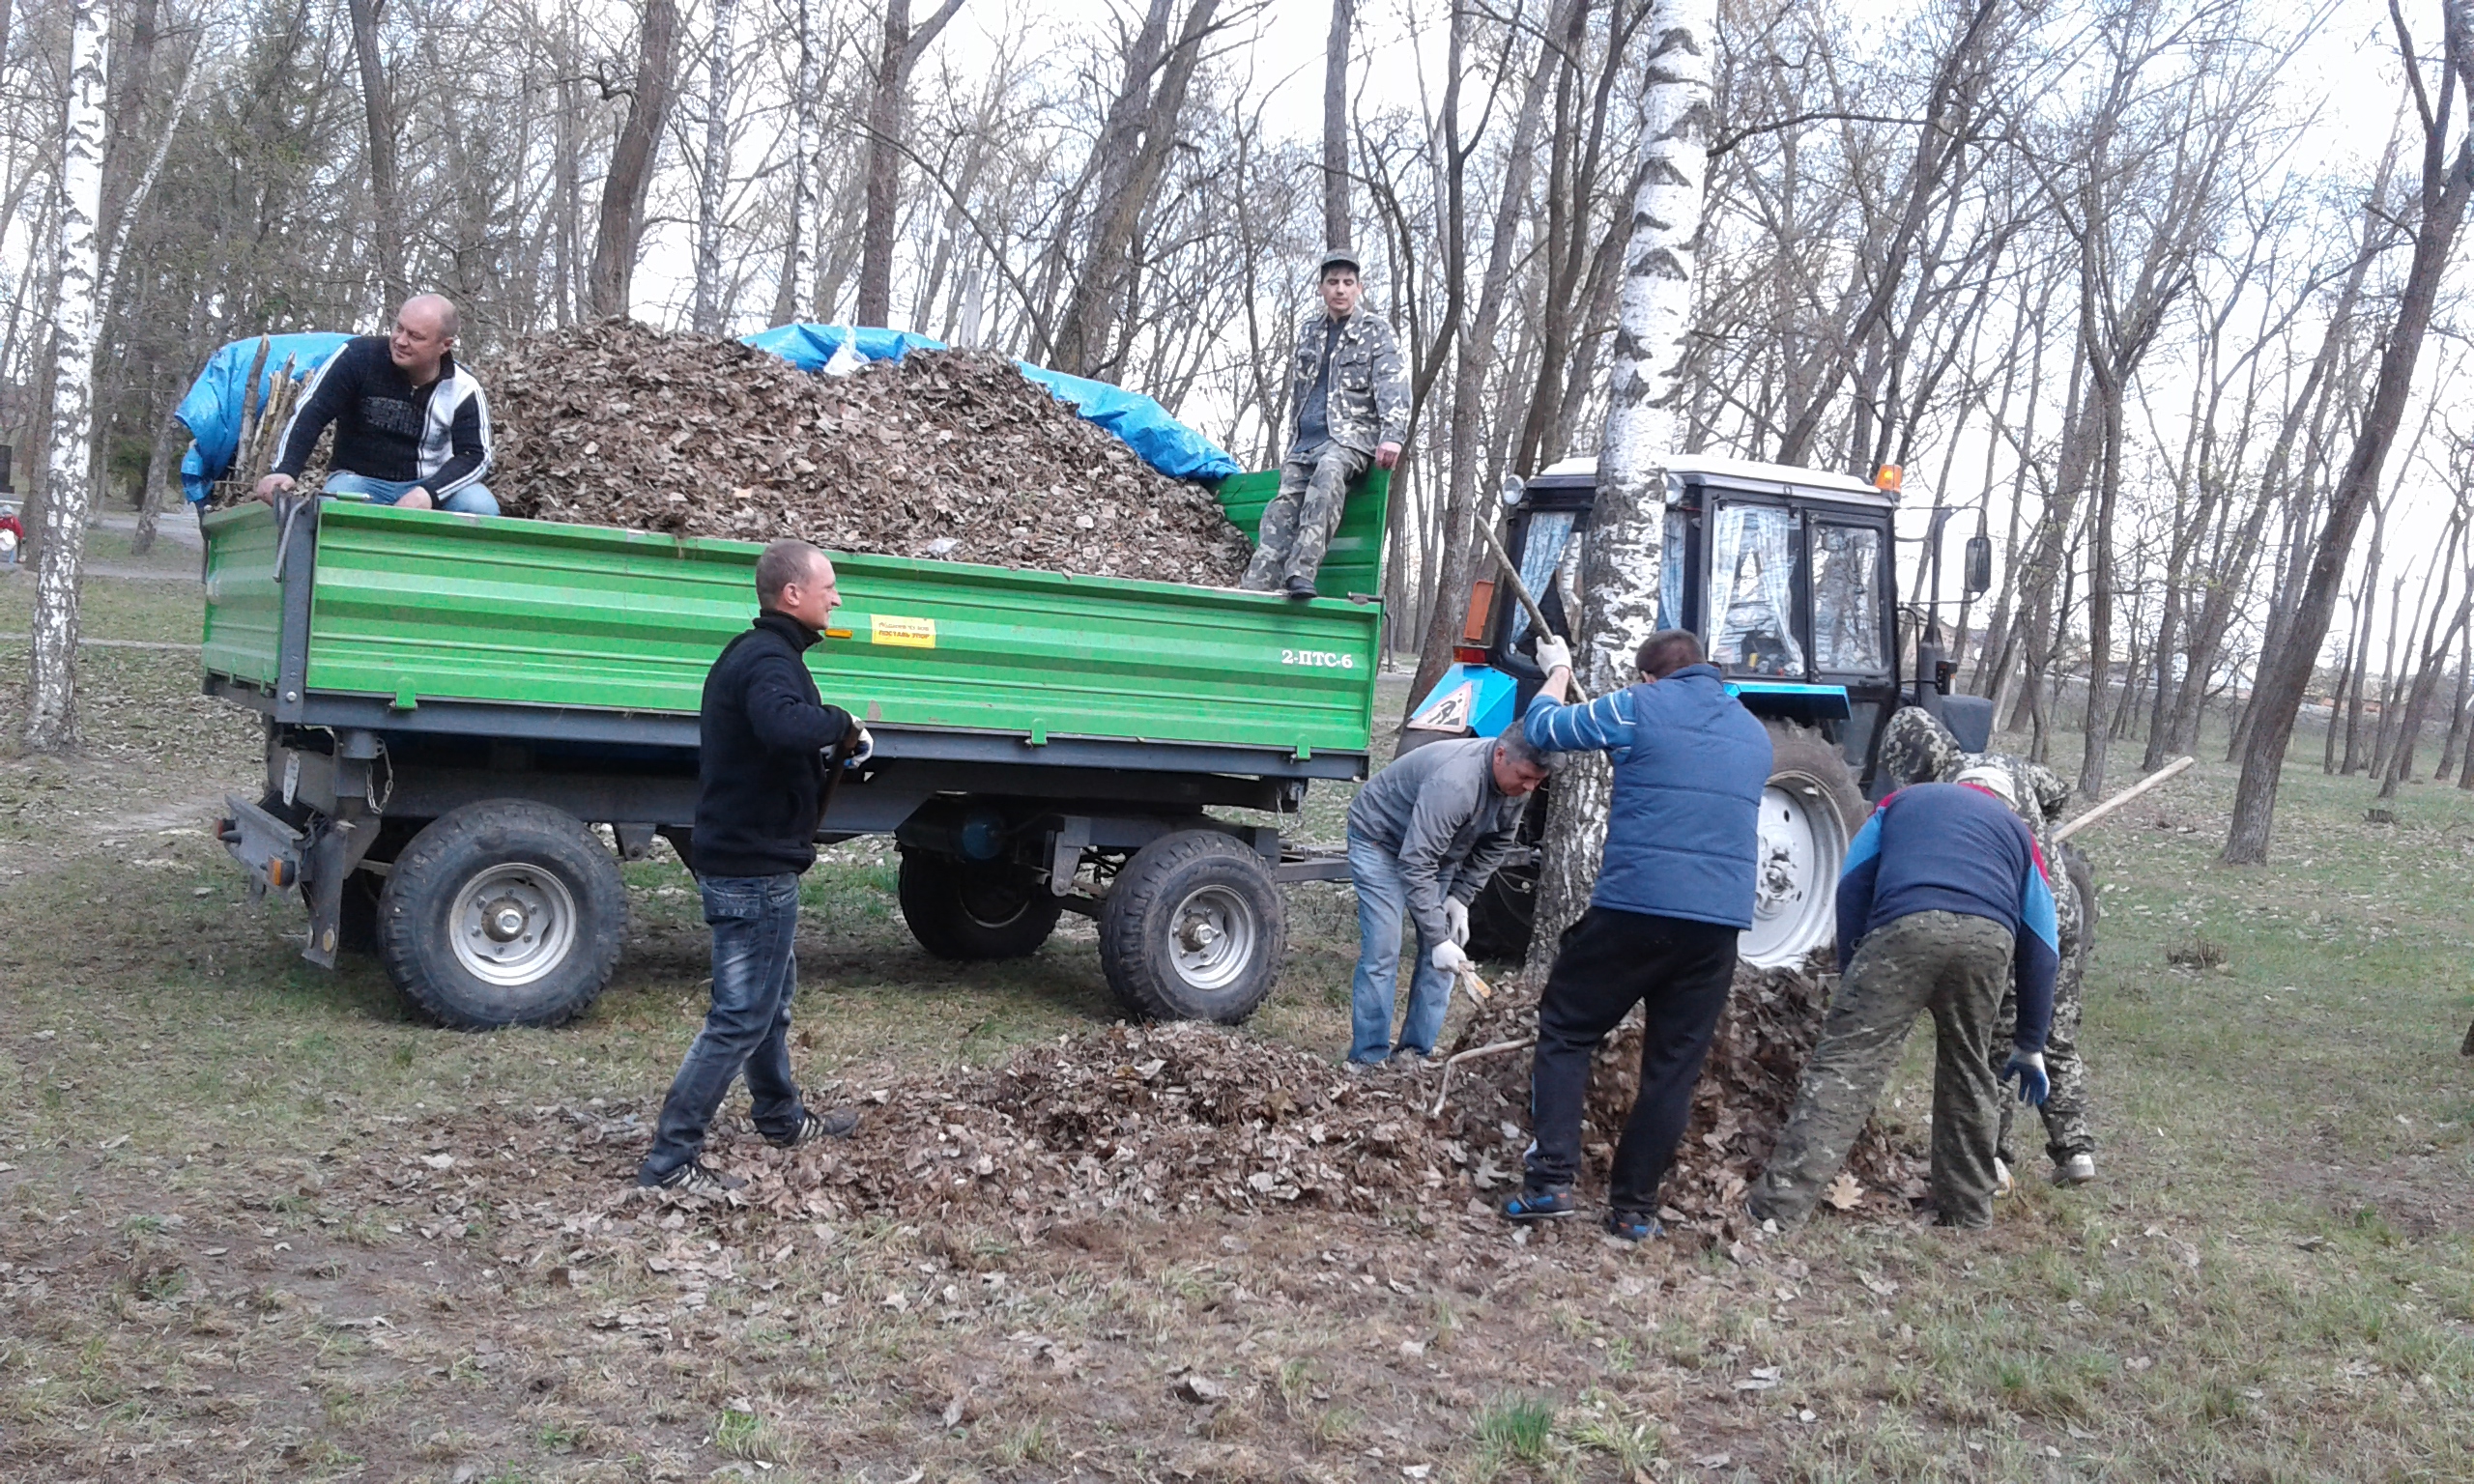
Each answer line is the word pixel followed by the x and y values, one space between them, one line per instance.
pixel 1425 835
pixel 412 427
pixel 1351 394
pixel 766 742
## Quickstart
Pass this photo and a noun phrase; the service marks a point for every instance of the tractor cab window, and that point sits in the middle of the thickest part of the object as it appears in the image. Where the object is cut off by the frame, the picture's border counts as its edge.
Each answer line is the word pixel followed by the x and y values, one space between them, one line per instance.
pixel 1847 599
pixel 1674 568
pixel 1752 591
pixel 1542 552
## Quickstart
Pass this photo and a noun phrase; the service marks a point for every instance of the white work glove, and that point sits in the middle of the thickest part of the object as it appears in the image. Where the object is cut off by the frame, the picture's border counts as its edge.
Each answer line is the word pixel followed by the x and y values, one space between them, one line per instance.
pixel 1552 652
pixel 861 751
pixel 1455 916
pixel 1448 957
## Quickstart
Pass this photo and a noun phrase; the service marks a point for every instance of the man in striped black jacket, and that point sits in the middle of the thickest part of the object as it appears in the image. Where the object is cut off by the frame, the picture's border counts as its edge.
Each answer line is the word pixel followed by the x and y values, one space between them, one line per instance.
pixel 412 427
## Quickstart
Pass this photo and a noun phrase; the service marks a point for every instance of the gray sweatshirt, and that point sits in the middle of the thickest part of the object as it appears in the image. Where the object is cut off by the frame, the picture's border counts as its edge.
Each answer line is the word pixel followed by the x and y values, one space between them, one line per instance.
pixel 1438 811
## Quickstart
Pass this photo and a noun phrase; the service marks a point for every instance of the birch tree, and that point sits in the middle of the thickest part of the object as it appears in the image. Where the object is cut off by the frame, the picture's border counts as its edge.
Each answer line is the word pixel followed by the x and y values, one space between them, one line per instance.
pixel 1620 561
pixel 51 678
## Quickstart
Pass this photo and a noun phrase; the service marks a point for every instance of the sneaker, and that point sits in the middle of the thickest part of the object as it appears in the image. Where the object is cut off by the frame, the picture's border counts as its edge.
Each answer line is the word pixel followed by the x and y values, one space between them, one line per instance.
pixel 1364 1070
pixel 2003 1183
pixel 1301 587
pixel 840 1123
pixel 1410 1062
pixel 2077 1170
pixel 693 1177
pixel 1626 1226
pixel 1539 1205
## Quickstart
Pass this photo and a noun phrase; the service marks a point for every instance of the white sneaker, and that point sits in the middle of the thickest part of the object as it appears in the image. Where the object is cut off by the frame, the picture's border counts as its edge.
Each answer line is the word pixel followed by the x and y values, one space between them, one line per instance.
pixel 2077 1170
pixel 2003 1183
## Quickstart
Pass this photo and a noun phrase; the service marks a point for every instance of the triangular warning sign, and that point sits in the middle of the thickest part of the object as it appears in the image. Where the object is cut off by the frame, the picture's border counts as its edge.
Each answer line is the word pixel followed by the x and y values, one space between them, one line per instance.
pixel 1450 713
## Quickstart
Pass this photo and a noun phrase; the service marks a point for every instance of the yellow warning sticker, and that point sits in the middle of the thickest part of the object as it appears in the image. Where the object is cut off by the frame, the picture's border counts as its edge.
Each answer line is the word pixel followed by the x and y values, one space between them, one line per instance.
pixel 908 633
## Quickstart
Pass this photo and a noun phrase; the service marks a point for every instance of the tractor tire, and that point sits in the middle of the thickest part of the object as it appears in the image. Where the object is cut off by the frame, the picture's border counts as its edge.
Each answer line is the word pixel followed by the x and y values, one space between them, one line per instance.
pixel 971 910
pixel 503 912
pixel 1194 929
pixel 1809 813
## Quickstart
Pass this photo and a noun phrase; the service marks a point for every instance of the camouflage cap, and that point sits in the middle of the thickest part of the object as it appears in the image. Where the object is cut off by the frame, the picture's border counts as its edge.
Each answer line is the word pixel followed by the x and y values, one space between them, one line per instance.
pixel 1341 256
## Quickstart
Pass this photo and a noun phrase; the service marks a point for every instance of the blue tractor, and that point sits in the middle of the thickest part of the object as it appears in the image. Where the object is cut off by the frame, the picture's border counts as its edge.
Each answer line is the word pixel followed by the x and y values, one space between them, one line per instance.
pixel 1790 577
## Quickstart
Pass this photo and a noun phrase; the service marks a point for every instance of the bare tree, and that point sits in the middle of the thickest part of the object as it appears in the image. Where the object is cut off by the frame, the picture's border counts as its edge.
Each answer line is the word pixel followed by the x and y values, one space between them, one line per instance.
pixel 386 185
pixel 1621 564
pixel 1336 125
pixel 2447 183
pixel 624 188
pixel 903 49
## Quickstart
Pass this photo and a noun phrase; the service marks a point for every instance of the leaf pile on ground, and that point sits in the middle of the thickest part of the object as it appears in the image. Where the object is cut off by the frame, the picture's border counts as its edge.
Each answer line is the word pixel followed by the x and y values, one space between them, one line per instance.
pixel 1176 1117
pixel 1757 1057
pixel 950 454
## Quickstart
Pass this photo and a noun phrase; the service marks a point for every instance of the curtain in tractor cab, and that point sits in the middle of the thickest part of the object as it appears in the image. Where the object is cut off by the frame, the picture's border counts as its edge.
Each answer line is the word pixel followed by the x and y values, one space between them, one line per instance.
pixel 1847 619
pixel 1752 591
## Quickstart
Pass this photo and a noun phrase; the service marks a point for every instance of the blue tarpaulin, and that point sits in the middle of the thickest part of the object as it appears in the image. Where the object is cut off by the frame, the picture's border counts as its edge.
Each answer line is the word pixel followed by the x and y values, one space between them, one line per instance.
pixel 808 347
pixel 1164 443
pixel 213 409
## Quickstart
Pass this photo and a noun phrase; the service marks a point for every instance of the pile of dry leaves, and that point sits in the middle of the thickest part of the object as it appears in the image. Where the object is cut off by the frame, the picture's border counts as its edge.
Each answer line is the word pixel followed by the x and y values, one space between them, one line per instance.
pixel 1773 1020
pixel 1188 1117
pixel 1175 1117
pixel 950 454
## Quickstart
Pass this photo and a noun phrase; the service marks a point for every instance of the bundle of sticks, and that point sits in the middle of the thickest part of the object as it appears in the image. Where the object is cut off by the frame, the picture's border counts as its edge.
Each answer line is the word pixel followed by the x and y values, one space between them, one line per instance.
pixel 265 410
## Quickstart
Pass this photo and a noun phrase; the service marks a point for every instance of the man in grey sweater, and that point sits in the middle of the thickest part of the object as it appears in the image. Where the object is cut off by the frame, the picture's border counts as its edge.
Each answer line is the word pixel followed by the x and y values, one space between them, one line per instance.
pixel 1425 835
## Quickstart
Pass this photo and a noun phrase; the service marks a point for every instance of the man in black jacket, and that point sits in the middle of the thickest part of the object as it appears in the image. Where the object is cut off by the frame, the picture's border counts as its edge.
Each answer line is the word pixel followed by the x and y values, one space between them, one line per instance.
pixel 765 744
pixel 412 427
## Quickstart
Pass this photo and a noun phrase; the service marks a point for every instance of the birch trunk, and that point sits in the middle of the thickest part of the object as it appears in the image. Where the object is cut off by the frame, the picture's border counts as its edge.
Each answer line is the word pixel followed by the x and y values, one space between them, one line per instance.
pixel 51 678
pixel 714 178
pixel 1646 404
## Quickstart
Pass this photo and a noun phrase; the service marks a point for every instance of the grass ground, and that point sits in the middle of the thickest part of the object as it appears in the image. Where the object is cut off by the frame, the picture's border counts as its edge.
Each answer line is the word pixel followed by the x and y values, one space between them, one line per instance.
pixel 258 1222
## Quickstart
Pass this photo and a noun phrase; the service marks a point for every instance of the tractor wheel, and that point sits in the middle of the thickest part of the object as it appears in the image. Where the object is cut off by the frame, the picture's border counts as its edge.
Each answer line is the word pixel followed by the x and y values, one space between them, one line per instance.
pixel 1810 810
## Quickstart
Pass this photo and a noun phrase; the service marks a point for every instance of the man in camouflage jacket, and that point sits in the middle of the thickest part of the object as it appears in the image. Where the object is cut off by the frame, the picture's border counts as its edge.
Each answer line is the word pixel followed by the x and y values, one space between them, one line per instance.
pixel 1917 748
pixel 1351 394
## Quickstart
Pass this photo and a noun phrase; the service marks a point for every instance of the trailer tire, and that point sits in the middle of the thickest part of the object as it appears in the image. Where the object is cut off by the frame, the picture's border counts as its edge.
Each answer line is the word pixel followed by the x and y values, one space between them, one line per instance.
pixel 973 910
pixel 1194 929
pixel 536 952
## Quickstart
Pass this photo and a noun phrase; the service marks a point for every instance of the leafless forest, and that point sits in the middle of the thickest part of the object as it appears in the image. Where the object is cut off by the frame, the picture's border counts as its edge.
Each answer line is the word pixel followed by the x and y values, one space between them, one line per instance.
pixel 2159 293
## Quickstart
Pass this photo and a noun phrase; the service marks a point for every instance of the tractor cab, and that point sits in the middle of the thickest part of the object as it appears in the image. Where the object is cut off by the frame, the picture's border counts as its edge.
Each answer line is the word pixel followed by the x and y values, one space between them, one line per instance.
pixel 1789 577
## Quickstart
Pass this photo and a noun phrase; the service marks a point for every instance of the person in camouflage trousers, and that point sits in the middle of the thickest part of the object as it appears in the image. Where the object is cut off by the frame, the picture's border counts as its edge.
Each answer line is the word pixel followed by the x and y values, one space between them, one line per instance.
pixel 1351 393
pixel 1917 748
pixel 1944 899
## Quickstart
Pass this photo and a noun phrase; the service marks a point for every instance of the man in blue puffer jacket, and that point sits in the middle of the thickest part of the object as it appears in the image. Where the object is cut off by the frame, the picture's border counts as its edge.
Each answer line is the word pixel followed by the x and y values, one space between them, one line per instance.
pixel 1683 831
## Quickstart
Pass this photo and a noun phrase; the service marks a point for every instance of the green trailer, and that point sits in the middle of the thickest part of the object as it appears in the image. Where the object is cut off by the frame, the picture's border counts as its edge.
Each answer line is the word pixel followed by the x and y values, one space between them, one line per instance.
pixel 470 721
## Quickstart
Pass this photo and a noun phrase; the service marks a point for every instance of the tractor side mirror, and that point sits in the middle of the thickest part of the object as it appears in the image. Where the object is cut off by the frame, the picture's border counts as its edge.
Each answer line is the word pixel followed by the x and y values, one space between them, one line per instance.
pixel 1979 565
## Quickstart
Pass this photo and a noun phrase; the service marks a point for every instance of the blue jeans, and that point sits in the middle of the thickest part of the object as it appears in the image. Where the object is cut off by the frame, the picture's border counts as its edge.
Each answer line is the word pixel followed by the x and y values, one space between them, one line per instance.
pixel 474 499
pixel 1382 902
pixel 748 1030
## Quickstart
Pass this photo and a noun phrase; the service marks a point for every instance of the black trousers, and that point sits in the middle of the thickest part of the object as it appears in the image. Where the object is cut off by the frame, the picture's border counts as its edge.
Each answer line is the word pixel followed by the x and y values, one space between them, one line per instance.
pixel 1678 971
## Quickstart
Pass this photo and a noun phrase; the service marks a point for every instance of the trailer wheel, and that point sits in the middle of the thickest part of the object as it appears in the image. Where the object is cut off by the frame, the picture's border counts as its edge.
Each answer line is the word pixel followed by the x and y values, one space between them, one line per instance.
pixel 1194 929
pixel 968 910
pixel 503 912
pixel 1810 810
